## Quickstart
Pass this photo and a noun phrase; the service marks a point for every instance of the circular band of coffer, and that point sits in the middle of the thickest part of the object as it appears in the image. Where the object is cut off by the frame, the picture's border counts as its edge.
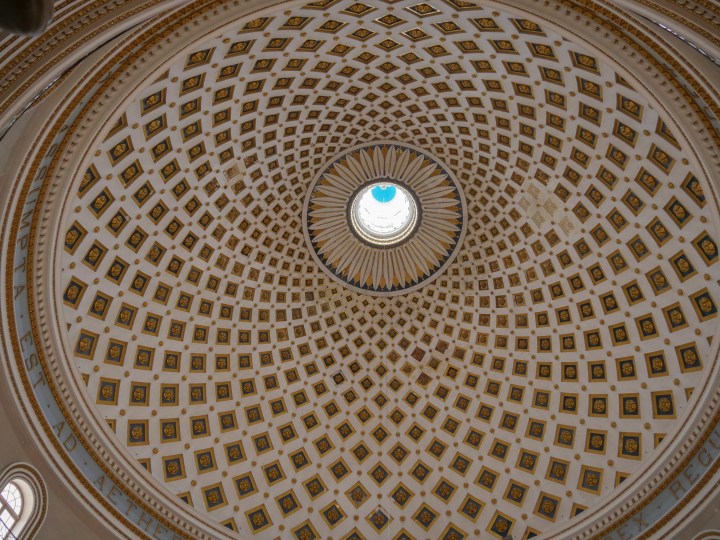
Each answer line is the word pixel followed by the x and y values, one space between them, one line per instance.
pixel 384 218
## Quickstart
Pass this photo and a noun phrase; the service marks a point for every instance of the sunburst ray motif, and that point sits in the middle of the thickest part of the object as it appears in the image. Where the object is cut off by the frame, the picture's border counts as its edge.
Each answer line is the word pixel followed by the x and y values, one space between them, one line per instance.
pixel 384 270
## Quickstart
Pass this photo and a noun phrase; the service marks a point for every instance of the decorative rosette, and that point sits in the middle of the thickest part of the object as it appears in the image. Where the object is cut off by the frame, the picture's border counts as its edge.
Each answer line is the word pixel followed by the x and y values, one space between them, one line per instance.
pixel 423 250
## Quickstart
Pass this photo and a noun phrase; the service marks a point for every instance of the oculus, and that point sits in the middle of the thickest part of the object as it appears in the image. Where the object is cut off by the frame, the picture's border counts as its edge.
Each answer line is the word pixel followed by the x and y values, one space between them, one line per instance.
pixel 383 213
pixel 384 218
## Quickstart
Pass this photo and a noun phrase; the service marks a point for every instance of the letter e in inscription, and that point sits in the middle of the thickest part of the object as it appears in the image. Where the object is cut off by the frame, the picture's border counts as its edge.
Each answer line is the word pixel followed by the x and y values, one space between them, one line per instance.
pixel 690 474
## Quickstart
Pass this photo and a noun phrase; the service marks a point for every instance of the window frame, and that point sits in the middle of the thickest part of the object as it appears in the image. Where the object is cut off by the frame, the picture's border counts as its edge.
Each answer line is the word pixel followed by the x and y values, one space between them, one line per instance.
pixel 33 501
pixel 7 506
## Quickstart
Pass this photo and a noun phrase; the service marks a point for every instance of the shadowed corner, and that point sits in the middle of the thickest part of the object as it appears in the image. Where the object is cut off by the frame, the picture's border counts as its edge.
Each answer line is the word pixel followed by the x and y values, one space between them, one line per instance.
pixel 25 17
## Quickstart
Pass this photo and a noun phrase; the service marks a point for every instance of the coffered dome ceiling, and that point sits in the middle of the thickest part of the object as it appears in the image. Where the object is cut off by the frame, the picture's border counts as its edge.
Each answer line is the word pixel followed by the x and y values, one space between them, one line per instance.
pixel 546 351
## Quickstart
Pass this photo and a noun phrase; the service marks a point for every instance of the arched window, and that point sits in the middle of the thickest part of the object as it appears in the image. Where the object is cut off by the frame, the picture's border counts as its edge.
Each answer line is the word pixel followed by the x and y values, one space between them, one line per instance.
pixel 23 502
pixel 11 508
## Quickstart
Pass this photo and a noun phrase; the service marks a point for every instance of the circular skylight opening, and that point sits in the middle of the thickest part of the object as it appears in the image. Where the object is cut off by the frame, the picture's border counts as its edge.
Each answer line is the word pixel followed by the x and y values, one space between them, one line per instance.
pixel 383 213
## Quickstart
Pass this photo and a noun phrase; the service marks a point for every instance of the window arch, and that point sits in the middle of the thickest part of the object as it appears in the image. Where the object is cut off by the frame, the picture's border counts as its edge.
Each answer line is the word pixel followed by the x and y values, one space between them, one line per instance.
pixel 23 502
pixel 11 509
